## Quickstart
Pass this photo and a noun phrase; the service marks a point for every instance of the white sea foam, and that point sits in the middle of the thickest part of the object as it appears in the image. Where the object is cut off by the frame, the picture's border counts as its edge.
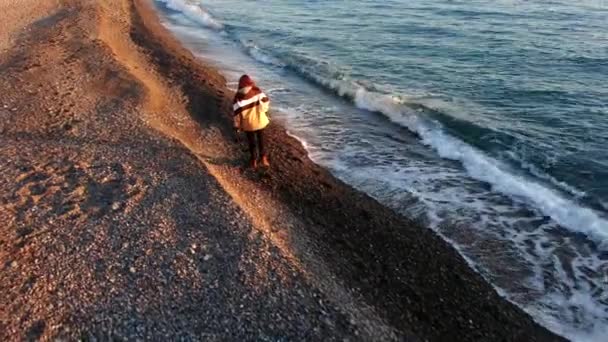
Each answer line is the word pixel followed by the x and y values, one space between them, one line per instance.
pixel 541 175
pixel 478 165
pixel 193 12
pixel 555 307
pixel 588 311
pixel 256 53
pixel 300 140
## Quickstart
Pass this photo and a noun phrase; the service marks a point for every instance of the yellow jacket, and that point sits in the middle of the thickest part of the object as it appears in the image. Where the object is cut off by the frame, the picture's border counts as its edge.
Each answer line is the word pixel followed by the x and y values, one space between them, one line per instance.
pixel 250 111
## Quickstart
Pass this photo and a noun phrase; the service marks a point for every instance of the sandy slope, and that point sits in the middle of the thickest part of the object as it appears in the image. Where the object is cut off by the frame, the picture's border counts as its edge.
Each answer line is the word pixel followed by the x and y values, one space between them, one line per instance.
pixel 18 14
pixel 127 213
pixel 111 229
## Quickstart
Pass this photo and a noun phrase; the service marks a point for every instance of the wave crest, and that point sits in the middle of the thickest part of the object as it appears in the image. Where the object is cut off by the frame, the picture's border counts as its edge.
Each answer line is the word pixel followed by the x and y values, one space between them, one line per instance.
pixel 259 55
pixel 478 165
pixel 193 12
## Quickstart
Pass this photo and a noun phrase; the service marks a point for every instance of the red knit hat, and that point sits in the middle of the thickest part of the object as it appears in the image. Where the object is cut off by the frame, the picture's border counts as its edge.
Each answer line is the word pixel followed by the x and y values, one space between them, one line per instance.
pixel 246 81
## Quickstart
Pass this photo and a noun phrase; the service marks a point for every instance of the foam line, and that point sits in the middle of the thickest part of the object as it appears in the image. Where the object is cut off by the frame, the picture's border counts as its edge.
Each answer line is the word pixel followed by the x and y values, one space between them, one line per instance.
pixel 484 168
pixel 193 12
pixel 478 165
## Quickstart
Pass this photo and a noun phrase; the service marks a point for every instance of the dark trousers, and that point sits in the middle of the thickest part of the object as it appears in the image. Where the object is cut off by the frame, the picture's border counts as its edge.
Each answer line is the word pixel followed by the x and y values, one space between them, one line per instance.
pixel 255 146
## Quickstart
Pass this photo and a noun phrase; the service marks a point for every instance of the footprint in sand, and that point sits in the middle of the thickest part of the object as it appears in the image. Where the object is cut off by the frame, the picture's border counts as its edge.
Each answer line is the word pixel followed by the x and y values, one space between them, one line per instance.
pixel 69 191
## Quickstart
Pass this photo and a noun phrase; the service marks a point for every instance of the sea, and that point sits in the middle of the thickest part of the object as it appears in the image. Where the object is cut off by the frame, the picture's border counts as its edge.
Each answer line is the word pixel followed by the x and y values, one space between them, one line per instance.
pixel 485 120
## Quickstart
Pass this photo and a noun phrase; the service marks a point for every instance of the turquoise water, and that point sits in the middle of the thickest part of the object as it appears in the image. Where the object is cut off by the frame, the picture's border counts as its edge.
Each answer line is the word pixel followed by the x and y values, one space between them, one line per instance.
pixel 488 120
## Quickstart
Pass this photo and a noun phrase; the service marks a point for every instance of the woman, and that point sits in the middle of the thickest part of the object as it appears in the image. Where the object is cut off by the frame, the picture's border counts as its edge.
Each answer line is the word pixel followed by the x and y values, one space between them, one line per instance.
pixel 250 108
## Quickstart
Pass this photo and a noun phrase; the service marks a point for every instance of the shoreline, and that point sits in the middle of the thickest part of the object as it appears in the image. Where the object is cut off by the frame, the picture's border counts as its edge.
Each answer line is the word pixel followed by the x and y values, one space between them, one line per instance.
pixel 280 135
pixel 391 278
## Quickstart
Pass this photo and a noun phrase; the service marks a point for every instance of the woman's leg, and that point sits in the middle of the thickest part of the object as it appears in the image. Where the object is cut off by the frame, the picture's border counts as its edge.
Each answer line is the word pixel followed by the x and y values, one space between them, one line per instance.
pixel 264 156
pixel 252 148
pixel 260 136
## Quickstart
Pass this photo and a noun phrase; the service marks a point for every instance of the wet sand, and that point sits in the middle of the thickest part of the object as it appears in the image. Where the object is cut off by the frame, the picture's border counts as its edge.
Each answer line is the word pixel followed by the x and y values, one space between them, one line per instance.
pixel 127 213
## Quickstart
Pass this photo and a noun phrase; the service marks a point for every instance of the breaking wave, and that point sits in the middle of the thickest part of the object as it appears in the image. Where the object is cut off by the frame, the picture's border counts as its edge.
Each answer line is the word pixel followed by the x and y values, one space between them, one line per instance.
pixel 193 12
pixel 478 165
